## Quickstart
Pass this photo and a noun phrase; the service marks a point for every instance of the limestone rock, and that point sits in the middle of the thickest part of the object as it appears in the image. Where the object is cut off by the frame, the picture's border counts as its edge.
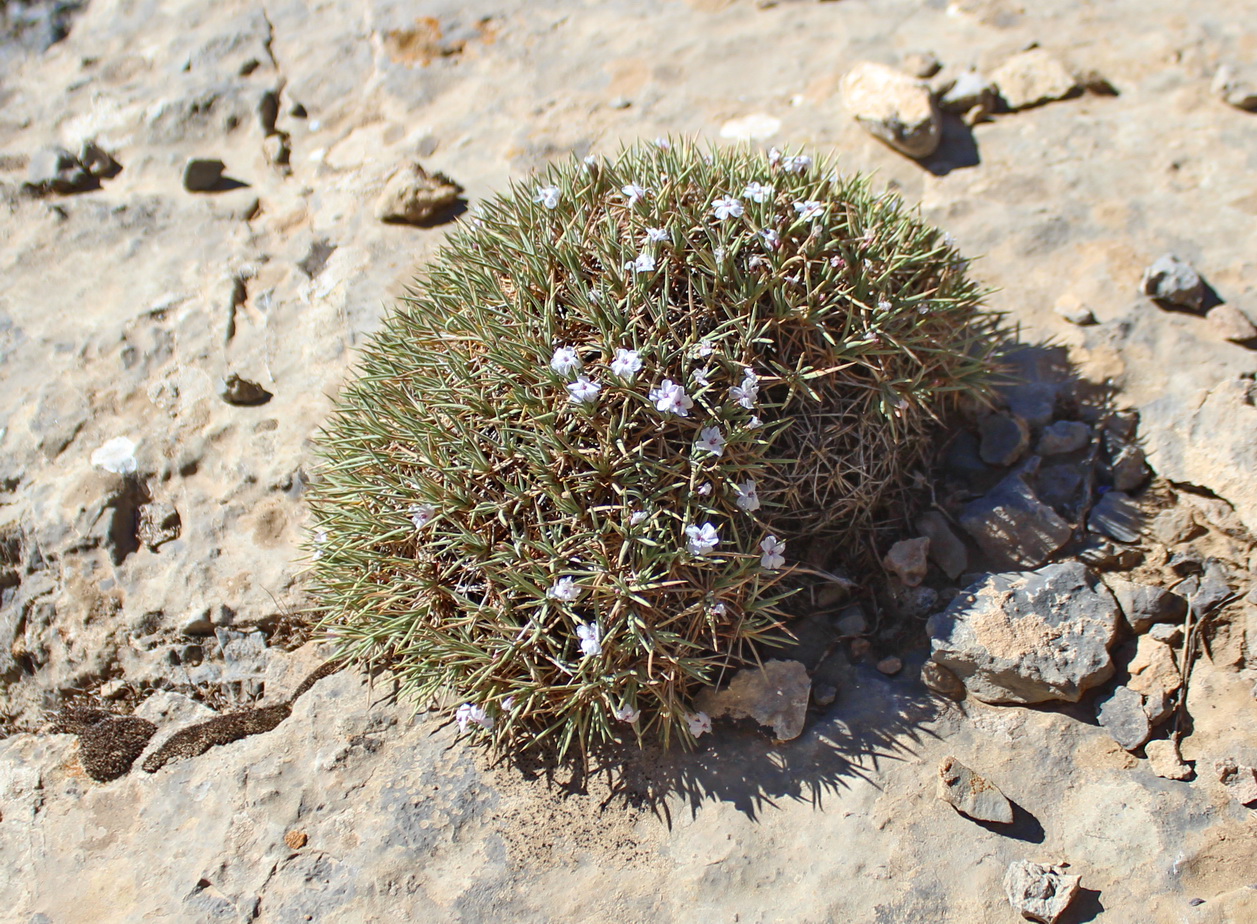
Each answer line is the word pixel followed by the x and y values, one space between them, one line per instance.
pixel 1012 526
pixel 414 196
pixel 1029 637
pixel 1033 78
pixel 1239 780
pixel 907 560
pixel 968 91
pixel 1173 282
pixel 56 170
pixel 1117 516
pixel 972 795
pixel 1235 88
pixel 1122 716
pixel 946 548
pixel 893 107
pixel 1166 761
pixel 775 696
pixel 1146 604
pixel 242 392
pixel 942 681
pixel 1230 323
pixel 1040 892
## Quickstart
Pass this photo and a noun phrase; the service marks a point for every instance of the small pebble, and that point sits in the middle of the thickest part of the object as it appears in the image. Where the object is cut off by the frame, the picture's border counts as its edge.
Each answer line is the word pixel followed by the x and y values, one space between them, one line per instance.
pixel 860 647
pixel 890 666
pixel 202 174
pixel 1229 323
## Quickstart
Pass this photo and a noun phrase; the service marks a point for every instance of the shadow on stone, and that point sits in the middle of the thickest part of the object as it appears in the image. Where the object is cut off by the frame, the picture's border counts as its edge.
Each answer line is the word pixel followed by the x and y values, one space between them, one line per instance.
pixel 957 150
pixel 1024 827
pixel 1085 907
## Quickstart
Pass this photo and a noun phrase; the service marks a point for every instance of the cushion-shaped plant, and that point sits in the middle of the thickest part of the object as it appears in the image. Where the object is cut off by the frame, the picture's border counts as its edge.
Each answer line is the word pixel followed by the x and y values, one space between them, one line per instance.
pixel 579 461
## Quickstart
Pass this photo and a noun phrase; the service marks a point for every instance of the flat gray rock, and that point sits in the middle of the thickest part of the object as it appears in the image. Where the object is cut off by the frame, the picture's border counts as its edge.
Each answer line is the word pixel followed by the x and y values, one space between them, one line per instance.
pixel 1144 605
pixel 1174 283
pixel 972 795
pixel 775 696
pixel 1029 637
pixel 1040 892
pixel 1122 715
pixel 1012 526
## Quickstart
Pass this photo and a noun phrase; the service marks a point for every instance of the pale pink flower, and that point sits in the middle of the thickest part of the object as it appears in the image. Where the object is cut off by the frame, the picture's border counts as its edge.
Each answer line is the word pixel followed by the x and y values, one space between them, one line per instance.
pixel 672 399
pixel 565 361
pixel 469 714
pixel 627 364
pixel 547 196
pixel 699 723
pixel 590 639
pixel 583 390
pixel 702 539
pixel 644 263
pixel 634 193
pixel 773 549
pixel 726 207
pixel 711 440
pixel 626 714
pixel 748 497
pixel 758 192
pixel 422 515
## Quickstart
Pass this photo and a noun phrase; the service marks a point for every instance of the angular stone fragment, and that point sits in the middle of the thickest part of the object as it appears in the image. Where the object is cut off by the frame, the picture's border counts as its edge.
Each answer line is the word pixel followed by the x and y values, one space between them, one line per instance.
pixel 1062 437
pixel 203 174
pixel 1028 637
pixel 1039 892
pixel 893 108
pixel 1129 469
pixel 1166 761
pixel 1239 780
pixel 1005 438
pixel 1173 282
pixel 1013 527
pixel 1235 89
pixel 907 560
pixel 1117 516
pixel 54 169
pixel 775 696
pixel 1033 78
pixel 946 549
pixel 414 196
pixel 1229 323
pixel 1146 604
pixel 1122 716
pixel 972 795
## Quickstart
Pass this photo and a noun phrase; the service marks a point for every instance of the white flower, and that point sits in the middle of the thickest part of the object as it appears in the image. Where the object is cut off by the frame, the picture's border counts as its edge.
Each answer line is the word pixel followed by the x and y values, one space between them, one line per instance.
pixel 837 262
pixel 467 714
pixel 508 704
pixel 565 360
pixel 711 440
pixel 774 157
pixel 591 161
pixel 772 240
pixel 759 192
pixel 320 536
pixel 810 208
pixel 672 399
pixel 564 589
pixel 422 515
pixel 726 207
pixel 748 497
pixel 756 262
pixel 703 489
pixel 643 264
pixel 626 713
pixel 797 164
pixel 627 364
pixel 663 144
pixel 703 349
pixel 719 254
pixel 656 235
pixel 636 517
pixel 633 193
pixel 700 377
pixel 584 391
pixel 547 196
pixel 590 639
pixel 746 393
pixel 718 610
pixel 772 548
pixel 702 539
pixel 699 723
pixel 884 304
pixel 754 423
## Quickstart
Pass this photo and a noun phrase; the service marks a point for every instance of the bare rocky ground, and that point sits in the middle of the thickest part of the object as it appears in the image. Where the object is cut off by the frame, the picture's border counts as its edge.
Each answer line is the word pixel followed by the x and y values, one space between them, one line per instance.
pixel 175 590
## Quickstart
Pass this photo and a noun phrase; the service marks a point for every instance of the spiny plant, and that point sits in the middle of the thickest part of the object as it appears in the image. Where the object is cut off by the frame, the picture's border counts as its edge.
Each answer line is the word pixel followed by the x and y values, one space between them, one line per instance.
pixel 570 477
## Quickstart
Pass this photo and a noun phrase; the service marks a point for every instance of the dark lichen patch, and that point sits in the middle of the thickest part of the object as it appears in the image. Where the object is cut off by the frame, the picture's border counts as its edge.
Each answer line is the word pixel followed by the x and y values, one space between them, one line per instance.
pixel 195 740
pixel 325 669
pixel 108 743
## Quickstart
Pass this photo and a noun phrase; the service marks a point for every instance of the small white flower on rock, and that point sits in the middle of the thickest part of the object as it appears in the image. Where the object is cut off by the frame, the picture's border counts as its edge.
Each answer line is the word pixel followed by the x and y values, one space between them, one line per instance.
pixel 748 497
pixel 758 192
pixel 565 361
pixel 810 208
pixel 564 589
pixel 671 398
pixel 627 364
pixel 699 723
pixel 590 639
pixel 711 440
pixel 633 193
pixel 656 235
pixel 422 515
pixel 547 196
pixel 583 390
pixel 773 549
pixel 726 207
pixel 702 539
pixel 468 714
pixel 644 263
pixel 626 714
